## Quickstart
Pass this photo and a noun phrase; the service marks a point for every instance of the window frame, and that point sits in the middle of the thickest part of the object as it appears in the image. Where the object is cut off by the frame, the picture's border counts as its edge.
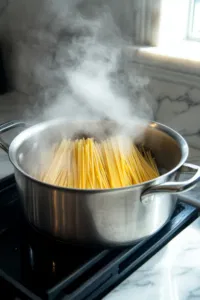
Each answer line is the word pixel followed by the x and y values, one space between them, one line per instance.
pixel 190 34
pixel 177 58
pixel 147 17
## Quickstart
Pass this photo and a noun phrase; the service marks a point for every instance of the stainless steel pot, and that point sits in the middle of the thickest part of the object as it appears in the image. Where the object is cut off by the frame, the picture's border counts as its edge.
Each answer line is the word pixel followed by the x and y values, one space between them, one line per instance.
pixel 107 217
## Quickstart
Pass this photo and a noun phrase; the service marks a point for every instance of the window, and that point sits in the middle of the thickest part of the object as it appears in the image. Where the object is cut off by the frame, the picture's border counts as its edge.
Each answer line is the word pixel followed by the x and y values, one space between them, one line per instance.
pixel 194 20
pixel 162 22
pixel 167 34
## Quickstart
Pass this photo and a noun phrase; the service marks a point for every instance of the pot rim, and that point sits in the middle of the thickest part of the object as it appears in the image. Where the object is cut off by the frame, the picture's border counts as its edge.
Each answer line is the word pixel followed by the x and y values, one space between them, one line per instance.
pixel 17 141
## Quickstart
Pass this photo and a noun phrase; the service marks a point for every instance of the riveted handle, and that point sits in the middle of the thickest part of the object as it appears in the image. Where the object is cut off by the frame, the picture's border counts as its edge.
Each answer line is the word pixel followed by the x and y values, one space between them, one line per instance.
pixel 176 187
pixel 7 127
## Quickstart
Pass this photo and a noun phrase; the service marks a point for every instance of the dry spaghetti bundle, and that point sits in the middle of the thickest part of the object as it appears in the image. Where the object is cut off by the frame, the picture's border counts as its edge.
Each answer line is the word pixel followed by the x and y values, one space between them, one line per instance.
pixel 87 164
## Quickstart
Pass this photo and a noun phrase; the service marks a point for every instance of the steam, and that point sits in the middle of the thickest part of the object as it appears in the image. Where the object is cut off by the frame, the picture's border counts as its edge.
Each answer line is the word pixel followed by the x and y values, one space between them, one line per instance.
pixel 78 69
pixel 88 75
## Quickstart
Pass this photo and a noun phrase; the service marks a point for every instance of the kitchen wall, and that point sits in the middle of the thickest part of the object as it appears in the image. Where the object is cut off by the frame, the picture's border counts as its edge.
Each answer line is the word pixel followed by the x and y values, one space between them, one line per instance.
pixel 33 40
pixel 175 102
pixel 178 106
pixel 32 32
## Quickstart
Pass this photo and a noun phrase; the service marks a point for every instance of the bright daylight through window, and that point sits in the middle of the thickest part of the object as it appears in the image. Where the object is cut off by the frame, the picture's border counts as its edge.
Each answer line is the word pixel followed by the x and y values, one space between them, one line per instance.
pixel 172 31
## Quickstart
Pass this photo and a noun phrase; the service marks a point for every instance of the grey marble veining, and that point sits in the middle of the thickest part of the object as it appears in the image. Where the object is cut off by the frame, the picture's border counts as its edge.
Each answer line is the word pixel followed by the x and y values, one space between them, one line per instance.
pixel 172 274
pixel 178 106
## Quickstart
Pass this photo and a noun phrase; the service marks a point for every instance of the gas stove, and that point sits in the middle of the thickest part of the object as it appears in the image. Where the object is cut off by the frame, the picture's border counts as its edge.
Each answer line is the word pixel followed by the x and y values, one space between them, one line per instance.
pixel 33 266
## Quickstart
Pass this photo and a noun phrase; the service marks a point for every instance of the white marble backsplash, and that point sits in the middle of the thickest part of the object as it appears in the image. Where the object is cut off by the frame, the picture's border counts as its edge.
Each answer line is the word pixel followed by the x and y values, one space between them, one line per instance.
pixel 178 106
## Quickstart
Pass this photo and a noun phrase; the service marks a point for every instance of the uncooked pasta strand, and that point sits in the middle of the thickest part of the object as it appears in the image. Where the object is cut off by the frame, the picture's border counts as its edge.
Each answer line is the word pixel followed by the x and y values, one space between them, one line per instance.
pixel 102 165
pixel 87 164
pixel 107 164
pixel 148 172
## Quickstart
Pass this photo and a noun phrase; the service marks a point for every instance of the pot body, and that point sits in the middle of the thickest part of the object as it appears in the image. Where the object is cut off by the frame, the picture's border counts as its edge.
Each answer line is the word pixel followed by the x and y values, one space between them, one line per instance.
pixel 106 217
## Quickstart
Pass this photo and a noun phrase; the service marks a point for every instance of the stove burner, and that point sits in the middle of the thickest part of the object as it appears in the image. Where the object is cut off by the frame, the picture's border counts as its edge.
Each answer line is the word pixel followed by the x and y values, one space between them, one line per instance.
pixel 35 267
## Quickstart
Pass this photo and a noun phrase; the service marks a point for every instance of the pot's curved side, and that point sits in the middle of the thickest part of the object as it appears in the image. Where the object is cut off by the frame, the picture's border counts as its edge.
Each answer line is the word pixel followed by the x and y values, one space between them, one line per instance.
pixel 101 218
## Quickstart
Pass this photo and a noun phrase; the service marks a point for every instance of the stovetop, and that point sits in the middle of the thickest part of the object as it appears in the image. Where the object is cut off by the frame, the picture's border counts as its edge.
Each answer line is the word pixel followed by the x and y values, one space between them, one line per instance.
pixel 35 267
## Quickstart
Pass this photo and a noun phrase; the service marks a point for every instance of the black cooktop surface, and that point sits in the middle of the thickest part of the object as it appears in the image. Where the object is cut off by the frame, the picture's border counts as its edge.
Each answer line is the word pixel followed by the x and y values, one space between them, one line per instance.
pixel 35 267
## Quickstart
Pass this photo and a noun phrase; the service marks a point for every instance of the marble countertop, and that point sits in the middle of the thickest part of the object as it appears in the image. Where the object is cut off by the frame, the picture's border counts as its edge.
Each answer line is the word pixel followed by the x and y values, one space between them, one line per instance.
pixel 172 274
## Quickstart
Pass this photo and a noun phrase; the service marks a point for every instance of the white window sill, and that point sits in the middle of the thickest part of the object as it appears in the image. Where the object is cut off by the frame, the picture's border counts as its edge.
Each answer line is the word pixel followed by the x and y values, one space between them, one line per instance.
pixel 180 59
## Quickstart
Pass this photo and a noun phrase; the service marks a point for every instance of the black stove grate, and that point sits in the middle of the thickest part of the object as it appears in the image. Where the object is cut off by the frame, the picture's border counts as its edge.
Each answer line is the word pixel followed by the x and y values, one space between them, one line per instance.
pixel 34 267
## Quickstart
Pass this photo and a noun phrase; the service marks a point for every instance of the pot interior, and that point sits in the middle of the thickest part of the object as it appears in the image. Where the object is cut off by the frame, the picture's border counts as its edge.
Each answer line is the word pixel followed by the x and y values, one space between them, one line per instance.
pixel 30 149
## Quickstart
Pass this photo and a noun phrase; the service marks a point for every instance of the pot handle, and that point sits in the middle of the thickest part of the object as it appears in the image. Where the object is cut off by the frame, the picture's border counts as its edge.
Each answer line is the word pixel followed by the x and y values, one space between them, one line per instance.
pixel 6 127
pixel 176 187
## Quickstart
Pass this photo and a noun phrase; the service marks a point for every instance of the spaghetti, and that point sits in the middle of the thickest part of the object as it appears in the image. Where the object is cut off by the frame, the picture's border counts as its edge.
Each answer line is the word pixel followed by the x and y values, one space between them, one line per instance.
pixel 87 164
